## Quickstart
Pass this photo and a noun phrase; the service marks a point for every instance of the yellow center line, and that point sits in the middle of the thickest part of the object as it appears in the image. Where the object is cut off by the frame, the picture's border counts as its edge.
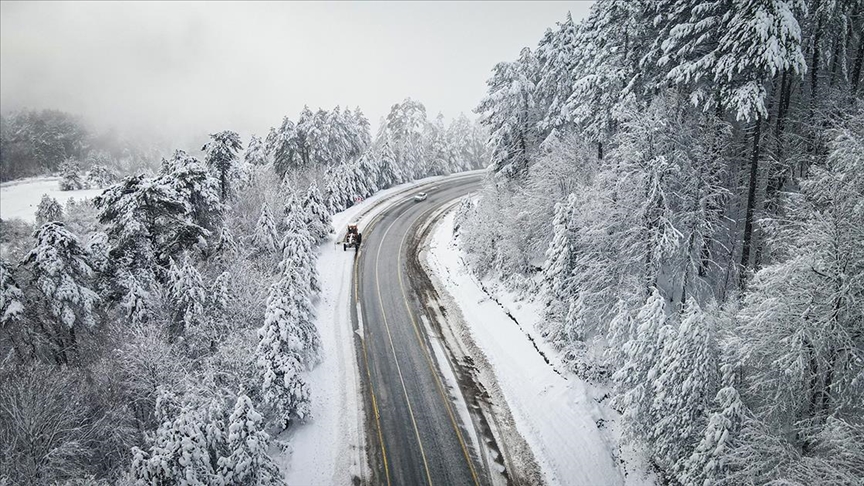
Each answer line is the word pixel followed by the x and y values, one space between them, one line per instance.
pixel 427 355
pixel 369 372
pixel 393 350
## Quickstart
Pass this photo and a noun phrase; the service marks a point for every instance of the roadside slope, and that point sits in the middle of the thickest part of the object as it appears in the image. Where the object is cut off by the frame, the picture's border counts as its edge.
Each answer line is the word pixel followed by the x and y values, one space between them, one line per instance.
pixel 560 417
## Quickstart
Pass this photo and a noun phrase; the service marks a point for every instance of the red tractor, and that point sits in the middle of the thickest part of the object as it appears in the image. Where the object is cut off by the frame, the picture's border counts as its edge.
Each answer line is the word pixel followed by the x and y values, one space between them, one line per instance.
pixel 352 238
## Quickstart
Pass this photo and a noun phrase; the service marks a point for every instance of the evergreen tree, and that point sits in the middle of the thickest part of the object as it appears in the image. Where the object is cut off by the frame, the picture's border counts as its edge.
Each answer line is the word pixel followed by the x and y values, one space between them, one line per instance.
pixel 317 217
pixel 279 355
pixel 71 179
pixel 136 299
pixel 226 248
pixel 144 220
pixel 222 159
pixel 48 210
pixel 282 144
pixel 297 246
pixel 183 448
pixel 510 111
pixel 634 379
pixel 62 276
pixel 708 463
pixel 11 297
pixel 188 296
pixel 256 152
pixel 248 461
pixel 265 237
pixel 559 255
pixel 686 382
pixel 100 176
pixel 200 193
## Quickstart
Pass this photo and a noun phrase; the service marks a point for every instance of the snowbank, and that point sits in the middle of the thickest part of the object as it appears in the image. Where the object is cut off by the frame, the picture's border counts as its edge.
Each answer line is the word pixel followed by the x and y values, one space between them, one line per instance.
pixel 19 199
pixel 566 423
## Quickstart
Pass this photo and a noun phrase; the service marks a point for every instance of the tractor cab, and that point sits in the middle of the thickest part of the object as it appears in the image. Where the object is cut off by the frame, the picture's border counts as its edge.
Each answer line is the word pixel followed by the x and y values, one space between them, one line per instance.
pixel 352 238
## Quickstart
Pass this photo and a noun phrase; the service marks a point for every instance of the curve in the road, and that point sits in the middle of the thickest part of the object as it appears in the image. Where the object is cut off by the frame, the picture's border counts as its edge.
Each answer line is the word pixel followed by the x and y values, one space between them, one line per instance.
pixel 421 441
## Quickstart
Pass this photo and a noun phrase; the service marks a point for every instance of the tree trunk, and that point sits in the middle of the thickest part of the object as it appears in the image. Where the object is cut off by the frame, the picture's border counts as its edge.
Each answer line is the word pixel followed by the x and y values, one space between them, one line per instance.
pixel 778 179
pixel 856 70
pixel 751 203
pixel 814 62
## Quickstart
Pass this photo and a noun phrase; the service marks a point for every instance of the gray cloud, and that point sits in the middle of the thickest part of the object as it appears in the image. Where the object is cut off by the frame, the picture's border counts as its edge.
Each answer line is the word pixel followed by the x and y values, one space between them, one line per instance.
pixel 184 69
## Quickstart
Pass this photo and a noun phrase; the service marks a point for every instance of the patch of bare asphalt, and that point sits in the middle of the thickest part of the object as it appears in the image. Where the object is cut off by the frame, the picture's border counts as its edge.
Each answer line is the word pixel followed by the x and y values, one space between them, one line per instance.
pixel 493 421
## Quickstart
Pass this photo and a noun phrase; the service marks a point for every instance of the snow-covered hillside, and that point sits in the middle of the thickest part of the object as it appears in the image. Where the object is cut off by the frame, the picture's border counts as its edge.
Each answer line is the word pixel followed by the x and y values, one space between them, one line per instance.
pixel 19 199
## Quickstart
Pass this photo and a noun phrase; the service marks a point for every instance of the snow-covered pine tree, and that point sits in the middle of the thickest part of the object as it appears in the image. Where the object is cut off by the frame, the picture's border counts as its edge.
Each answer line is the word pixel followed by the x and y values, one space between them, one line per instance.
pixel 11 306
pixel 200 193
pixel 219 298
pixel 226 248
pixel 143 219
pixel 367 169
pixel 282 145
pixel 761 38
pixel 317 216
pixel 279 356
pixel 99 176
pixel 61 273
pixel 135 298
pixel 48 210
pixel 609 45
pixel 71 179
pixel 183 448
pixel 557 57
pixel 11 297
pixel 390 173
pixel 256 152
pixel 510 111
pixel 297 246
pixel 634 380
pixel 559 256
pixel 686 381
pixel 222 160
pixel 707 465
pixel 247 462
pixel 265 237
pixel 189 297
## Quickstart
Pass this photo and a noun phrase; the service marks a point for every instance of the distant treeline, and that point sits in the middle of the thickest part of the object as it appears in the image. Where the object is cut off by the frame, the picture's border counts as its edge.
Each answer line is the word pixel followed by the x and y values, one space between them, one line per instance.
pixel 36 142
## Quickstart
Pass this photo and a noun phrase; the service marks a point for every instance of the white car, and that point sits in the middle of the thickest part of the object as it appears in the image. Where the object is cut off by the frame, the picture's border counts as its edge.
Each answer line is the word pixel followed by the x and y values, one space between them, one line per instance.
pixel 420 196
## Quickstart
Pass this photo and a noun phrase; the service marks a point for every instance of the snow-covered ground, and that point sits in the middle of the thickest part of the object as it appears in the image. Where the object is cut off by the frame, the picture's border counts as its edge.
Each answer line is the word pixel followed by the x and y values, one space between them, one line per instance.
pixel 19 199
pixel 570 430
pixel 330 448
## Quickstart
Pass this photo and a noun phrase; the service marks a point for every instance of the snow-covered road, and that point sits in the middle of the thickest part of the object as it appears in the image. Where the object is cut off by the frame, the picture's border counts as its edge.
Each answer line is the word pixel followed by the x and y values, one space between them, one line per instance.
pixel 330 448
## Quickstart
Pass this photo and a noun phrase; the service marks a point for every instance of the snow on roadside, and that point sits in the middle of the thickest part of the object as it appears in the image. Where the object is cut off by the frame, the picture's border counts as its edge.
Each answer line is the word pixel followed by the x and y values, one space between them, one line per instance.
pixel 562 418
pixel 330 448
pixel 19 199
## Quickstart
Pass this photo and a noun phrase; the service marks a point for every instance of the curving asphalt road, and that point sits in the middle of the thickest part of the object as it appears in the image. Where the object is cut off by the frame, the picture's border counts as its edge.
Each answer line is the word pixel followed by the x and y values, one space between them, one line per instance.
pixel 415 434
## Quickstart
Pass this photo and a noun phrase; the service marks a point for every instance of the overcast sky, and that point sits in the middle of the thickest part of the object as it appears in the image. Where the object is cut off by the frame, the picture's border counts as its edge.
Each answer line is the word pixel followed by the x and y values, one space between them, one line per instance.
pixel 187 69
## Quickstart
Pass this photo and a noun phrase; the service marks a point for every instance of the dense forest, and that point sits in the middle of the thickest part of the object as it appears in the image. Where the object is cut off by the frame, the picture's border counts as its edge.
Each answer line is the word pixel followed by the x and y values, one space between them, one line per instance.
pixel 164 332
pixel 684 181
pixel 34 143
